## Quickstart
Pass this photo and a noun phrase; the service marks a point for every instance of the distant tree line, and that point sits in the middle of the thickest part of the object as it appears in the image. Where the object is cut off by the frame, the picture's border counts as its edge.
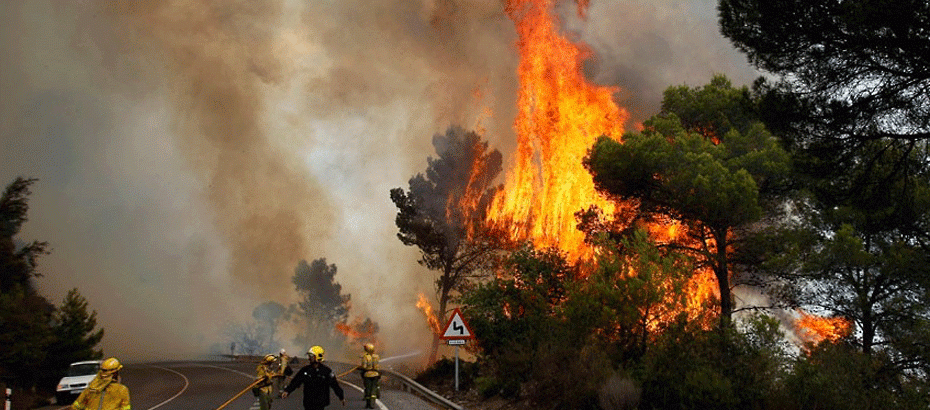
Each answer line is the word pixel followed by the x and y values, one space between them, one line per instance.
pixel 321 316
pixel 39 339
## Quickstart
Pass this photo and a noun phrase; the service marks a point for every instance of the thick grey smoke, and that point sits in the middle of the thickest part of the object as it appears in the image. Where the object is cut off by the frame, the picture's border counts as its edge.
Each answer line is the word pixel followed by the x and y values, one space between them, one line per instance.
pixel 191 153
pixel 645 46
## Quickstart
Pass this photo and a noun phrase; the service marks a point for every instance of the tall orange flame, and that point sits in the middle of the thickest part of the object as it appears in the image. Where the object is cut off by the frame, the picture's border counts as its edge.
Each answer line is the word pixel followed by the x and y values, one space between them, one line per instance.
pixel 560 115
pixel 427 309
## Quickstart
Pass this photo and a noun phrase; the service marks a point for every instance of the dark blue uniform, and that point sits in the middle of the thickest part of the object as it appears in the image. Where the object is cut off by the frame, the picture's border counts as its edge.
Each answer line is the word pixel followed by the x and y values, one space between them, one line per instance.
pixel 317 379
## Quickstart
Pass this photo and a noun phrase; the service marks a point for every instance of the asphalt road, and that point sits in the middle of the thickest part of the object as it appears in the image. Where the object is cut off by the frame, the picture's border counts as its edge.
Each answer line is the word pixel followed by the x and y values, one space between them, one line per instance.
pixel 207 385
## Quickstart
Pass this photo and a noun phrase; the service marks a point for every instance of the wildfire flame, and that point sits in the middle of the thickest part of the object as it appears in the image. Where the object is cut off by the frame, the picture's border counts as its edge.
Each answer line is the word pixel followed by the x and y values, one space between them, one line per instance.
pixel 424 305
pixel 814 329
pixel 560 115
pixel 359 331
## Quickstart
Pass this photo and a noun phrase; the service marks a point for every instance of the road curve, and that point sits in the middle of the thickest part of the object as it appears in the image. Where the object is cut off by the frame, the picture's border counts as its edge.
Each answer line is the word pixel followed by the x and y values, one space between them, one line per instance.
pixel 208 384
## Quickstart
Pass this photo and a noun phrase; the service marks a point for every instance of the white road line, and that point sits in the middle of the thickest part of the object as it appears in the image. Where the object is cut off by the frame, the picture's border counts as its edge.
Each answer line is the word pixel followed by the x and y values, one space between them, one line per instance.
pixel 224 368
pixel 256 404
pixel 377 401
pixel 186 383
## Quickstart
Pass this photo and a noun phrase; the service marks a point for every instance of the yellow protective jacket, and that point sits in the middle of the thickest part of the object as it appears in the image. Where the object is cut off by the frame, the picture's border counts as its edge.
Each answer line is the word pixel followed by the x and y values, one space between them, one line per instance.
pixel 103 393
pixel 263 371
pixel 370 366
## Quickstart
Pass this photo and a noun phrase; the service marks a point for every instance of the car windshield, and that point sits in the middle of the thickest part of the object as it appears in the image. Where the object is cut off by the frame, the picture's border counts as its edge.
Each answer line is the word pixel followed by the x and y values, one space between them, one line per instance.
pixel 83 369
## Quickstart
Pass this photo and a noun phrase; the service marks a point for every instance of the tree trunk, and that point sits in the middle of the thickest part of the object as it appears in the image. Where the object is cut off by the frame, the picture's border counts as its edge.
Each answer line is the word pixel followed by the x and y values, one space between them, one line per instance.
pixel 434 349
pixel 722 272
pixel 445 288
pixel 868 329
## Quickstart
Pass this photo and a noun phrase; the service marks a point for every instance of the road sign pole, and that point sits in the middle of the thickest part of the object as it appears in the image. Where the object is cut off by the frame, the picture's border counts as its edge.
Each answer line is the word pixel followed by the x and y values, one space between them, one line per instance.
pixel 456 333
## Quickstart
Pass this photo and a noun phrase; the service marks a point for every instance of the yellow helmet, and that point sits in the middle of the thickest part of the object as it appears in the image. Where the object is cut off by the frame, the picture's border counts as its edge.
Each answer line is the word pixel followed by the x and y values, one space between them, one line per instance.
pixel 269 358
pixel 370 348
pixel 110 366
pixel 316 352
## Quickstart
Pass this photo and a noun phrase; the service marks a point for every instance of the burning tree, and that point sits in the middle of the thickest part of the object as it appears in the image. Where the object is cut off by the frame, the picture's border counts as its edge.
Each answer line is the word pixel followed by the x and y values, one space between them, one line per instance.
pixel 358 332
pixel 322 305
pixel 442 210
pixel 517 312
pixel 703 161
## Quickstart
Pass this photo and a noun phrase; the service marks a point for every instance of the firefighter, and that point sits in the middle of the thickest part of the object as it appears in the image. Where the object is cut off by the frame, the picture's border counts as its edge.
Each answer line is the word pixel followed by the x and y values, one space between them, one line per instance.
pixel 317 379
pixel 104 392
pixel 282 370
pixel 371 373
pixel 264 374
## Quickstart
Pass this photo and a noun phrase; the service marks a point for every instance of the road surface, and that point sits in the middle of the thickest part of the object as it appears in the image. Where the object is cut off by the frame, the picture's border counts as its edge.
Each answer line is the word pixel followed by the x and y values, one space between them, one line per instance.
pixel 208 384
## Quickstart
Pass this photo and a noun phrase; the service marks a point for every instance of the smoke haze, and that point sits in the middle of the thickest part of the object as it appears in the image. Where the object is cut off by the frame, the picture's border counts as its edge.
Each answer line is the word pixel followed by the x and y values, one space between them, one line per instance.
pixel 190 154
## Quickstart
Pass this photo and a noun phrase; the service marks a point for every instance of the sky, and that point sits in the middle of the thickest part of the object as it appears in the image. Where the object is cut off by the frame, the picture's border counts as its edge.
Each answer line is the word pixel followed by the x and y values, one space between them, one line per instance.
pixel 190 154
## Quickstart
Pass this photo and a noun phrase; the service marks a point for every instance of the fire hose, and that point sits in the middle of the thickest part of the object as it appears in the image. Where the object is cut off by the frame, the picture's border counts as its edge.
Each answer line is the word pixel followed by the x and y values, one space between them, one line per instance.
pixel 350 371
pixel 255 383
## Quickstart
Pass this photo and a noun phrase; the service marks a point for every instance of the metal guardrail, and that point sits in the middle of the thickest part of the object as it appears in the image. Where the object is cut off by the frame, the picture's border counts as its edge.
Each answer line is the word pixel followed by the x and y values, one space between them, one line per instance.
pixel 411 386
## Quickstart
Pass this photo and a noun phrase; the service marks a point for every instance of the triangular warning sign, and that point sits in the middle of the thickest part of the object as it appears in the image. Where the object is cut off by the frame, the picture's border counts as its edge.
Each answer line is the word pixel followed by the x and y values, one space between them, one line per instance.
pixel 457 328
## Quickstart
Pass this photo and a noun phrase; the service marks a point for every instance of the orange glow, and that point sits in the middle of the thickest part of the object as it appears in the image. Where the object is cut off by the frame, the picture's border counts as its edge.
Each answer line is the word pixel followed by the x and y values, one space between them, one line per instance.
pixel 701 288
pixel 427 309
pixel 358 330
pixel 814 329
pixel 665 231
pixel 560 115
pixel 345 329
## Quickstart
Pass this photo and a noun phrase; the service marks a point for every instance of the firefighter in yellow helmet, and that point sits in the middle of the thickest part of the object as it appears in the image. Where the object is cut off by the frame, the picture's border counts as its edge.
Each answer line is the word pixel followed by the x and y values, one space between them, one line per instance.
pixel 317 379
pixel 104 392
pixel 264 375
pixel 371 373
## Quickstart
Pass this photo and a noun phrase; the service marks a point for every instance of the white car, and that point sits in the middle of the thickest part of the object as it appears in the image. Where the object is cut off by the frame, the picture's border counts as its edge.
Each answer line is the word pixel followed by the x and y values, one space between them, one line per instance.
pixel 79 375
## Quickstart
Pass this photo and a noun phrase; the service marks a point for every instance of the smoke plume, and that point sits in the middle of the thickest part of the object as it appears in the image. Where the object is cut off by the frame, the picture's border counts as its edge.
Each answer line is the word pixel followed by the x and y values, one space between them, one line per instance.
pixel 189 154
